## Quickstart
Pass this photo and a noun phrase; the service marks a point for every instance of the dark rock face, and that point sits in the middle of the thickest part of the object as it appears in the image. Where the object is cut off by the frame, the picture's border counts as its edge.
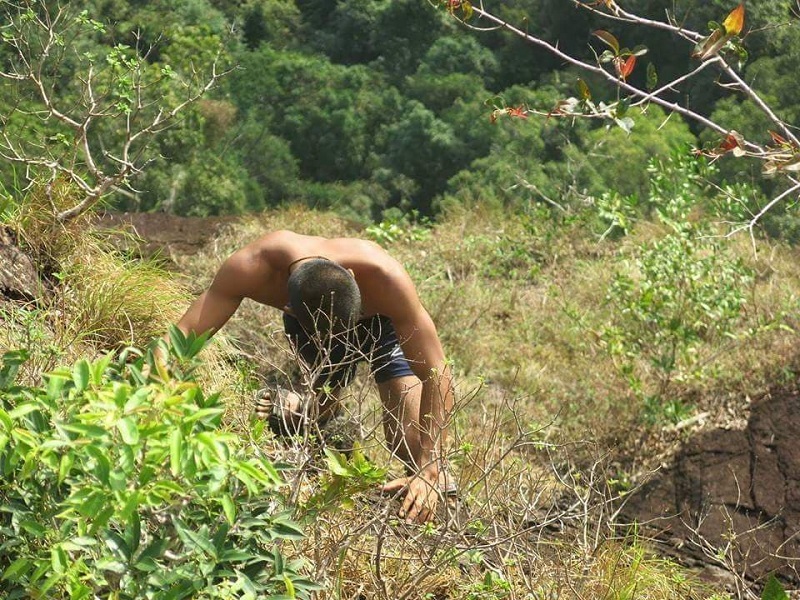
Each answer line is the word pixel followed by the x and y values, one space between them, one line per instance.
pixel 19 279
pixel 737 490
pixel 162 235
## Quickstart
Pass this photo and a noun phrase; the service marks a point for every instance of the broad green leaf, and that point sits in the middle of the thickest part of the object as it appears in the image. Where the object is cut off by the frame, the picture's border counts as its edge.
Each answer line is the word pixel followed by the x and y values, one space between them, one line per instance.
pixel 102 463
pixel 253 471
pixel 49 583
pixel 80 375
pixel 64 466
pixel 652 77
pixel 128 430
pixel 34 528
pixel 59 560
pixel 773 590
pixel 23 409
pixel 129 509
pixel 19 567
pixel 228 508
pixel 114 566
pixel 133 531
pixel 87 431
pixel 195 539
pixel 203 413
pixel 337 463
pixel 213 443
pixel 99 368
pixel 116 544
pixel 287 529
pixel 175 451
pixel 117 480
pixel 5 420
pixel 55 384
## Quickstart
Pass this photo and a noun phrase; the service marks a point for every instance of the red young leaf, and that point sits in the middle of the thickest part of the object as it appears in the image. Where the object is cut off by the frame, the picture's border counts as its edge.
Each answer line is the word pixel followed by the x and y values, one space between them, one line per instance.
pixel 627 67
pixel 732 142
pixel 778 139
pixel 518 112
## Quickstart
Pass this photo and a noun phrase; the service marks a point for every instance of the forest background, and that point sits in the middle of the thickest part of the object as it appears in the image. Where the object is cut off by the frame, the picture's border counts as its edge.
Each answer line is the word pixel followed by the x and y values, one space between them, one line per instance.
pixel 580 271
pixel 381 109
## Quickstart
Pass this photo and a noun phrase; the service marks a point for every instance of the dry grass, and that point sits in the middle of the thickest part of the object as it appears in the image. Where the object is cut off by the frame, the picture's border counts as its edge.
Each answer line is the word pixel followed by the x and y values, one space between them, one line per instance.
pixel 543 407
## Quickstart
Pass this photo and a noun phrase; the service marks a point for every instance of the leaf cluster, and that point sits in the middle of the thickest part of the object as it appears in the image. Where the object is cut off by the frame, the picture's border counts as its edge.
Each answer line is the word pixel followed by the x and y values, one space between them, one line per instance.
pixel 117 482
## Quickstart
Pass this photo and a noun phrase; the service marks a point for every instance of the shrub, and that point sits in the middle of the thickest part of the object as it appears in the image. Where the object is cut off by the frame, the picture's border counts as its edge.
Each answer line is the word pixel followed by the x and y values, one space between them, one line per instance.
pixel 124 485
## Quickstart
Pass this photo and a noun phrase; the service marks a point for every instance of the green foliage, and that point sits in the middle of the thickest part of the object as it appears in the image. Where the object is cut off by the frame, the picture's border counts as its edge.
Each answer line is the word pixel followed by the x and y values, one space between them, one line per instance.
pixel 493 587
pixel 606 156
pixel 673 296
pixel 773 590
pixel 119 484
pixel 399 227
pixel 345 478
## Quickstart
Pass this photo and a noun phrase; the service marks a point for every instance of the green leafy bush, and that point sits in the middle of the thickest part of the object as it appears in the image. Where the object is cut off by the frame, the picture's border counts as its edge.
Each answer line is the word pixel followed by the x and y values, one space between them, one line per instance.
pixel 675 299
pixel 117 484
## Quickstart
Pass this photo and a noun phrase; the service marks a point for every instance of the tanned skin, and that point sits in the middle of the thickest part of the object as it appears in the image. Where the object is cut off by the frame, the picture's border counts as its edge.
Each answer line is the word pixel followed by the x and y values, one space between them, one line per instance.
pixel 416 408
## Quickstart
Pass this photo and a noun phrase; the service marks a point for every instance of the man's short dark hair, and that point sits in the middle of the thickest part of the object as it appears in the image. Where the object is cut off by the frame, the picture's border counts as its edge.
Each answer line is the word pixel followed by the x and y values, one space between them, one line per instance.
pixel 324 296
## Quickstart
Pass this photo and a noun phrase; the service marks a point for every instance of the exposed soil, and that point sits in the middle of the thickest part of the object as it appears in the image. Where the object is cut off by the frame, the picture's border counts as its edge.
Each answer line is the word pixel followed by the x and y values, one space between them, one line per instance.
pixel 734 488
pixel 163 236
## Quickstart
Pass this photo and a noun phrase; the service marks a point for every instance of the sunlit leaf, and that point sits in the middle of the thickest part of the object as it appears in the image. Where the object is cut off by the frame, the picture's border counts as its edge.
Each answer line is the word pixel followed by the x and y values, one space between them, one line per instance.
pixel 175 451
pixel 19 566
pixel 608 38
pixel 583 89
pixel 734 22
pixel 710 45
pixel 128 430
pixel 228 508
pixel 80 375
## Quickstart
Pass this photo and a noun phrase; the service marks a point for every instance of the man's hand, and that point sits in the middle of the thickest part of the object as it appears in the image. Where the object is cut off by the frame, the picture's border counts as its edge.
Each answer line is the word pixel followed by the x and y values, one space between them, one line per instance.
pixel 421 500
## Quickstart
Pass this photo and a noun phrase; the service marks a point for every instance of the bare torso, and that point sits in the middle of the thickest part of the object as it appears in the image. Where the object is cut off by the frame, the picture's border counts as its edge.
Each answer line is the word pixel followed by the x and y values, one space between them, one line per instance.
pixel 264 265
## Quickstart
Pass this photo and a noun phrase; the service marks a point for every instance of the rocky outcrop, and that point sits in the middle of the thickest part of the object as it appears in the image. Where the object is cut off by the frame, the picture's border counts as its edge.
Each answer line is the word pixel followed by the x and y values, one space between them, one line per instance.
pixel 19 279
pixel 161 235
pixel 733 491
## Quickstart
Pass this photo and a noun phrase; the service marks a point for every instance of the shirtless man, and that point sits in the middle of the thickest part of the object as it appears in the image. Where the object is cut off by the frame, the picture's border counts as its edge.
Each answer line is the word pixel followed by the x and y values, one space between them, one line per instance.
pixel 343 300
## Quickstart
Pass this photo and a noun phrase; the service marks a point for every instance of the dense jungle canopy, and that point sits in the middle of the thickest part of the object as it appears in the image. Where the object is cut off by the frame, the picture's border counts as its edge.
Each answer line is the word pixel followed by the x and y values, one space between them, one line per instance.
pixel 374 108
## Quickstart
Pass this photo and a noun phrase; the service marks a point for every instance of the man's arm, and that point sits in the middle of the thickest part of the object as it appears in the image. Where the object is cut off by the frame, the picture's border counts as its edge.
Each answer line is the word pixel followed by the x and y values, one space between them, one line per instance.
pixel 215 306
pixel 423 350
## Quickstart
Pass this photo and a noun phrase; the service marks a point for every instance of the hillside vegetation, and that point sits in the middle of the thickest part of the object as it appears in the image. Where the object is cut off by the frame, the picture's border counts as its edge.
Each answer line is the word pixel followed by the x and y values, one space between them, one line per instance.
pixel 582 273
pixel 569 387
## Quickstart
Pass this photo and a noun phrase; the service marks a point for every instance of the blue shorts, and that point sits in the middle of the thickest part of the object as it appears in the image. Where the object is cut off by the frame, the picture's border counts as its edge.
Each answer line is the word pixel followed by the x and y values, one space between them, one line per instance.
pixel 374 340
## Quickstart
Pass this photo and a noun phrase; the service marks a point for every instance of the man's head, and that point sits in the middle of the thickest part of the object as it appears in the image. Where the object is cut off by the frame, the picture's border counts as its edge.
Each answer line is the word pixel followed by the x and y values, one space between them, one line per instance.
pixel 324 296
